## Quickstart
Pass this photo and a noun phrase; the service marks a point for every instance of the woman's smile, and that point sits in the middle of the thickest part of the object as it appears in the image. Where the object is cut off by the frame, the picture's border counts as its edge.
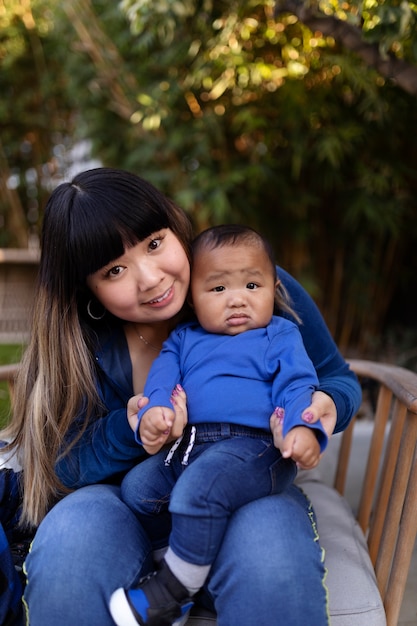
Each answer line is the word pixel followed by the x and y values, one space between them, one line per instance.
pixel 163 300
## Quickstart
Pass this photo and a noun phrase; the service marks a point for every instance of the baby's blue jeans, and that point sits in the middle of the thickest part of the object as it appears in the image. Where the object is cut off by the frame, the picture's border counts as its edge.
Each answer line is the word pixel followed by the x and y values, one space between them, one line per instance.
pixel 228 466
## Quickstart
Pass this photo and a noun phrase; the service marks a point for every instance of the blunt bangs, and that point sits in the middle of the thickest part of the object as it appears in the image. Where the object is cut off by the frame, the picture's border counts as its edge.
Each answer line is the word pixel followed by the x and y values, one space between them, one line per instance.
pixel 91 221
pixel 103 232
pixel 111 211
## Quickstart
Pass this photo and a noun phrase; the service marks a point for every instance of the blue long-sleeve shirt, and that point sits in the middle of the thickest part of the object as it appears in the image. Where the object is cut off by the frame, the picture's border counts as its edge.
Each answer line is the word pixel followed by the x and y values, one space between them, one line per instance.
pixel 236 379
pixel 108 447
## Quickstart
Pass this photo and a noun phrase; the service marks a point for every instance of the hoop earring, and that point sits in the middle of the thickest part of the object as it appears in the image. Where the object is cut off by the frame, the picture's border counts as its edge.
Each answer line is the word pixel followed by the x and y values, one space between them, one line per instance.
pixel 94 317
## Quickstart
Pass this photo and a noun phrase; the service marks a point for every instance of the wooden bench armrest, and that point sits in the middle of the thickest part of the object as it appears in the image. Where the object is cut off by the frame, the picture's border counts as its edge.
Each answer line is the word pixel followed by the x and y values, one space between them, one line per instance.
pixel 402 382
pixel 388 502
pixel 9 372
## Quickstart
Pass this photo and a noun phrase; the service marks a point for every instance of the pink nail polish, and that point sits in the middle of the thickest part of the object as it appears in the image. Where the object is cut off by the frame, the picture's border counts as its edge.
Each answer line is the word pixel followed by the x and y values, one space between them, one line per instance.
pixel 279 413
pixel 308 417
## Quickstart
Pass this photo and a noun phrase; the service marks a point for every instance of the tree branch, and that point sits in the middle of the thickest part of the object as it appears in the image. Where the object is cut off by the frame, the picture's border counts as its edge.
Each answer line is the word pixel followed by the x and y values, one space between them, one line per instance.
pixel 401 73
pixel 15 215
pixel 121 86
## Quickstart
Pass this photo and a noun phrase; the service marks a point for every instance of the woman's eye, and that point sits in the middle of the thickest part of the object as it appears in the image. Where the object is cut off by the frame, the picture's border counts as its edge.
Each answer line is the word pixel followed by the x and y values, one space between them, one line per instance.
pixel 155 243
pixel 251 286
pixel 115 271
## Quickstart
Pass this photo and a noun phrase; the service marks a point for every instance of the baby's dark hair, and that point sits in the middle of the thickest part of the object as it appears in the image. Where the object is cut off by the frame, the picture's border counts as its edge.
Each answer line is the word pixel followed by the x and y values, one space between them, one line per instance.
pixel 230 234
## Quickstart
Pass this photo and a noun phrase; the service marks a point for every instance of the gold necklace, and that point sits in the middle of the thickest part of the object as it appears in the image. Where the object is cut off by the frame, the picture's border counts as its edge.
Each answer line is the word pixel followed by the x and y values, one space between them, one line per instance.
pixel 145 341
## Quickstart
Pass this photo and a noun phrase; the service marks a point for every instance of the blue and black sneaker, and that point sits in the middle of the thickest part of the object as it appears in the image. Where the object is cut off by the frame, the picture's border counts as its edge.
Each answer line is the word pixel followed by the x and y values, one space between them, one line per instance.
pixel 159 600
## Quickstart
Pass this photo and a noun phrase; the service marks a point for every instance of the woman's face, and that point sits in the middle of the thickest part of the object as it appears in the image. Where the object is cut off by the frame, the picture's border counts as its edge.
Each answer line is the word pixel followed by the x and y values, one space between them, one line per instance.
pixel 148 283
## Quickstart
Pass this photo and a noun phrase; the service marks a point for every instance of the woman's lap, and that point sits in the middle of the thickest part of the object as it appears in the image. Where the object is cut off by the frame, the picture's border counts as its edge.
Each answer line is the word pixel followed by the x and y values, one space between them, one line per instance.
pixel 88 545
pixel 269 569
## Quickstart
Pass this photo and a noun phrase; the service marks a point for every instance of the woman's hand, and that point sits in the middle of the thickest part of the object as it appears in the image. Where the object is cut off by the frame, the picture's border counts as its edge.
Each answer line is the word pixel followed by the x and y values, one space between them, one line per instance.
pixel 179 402
pixel 134 405
pixel 322 408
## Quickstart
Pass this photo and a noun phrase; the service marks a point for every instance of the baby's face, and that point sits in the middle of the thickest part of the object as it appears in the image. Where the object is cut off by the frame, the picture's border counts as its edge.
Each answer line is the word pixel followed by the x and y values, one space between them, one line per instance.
pixel 232 288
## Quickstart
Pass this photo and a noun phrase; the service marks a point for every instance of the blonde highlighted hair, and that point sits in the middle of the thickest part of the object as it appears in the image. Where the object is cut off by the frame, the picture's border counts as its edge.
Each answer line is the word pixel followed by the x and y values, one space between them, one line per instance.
pixel 88 222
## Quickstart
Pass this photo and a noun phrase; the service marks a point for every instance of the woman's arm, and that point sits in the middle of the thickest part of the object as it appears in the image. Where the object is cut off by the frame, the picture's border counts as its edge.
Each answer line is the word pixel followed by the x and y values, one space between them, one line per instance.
pixel 106 448
pixel 335 378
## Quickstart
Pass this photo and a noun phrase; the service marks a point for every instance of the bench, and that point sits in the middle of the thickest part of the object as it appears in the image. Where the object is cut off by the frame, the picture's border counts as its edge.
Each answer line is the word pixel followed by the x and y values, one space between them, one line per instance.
pixel 368 547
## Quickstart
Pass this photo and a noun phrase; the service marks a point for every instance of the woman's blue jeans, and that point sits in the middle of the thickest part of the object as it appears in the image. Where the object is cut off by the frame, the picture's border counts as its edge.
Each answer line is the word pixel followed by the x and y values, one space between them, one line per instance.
pixel 269 571
pixel 228 467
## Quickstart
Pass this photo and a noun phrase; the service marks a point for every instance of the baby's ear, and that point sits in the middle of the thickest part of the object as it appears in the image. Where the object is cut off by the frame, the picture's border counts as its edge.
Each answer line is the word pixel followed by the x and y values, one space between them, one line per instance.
pixel 189 300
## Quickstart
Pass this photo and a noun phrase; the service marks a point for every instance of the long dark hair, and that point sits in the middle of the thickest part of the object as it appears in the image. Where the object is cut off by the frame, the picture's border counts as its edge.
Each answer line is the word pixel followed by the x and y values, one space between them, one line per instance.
pixel 88 222
pixel 91 220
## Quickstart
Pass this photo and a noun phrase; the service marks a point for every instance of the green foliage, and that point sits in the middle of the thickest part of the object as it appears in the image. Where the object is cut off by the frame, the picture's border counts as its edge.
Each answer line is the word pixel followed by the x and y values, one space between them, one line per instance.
pixel 247 118
pixel 391 24
pixel 243 116
pixel 35 117
pixel 9 353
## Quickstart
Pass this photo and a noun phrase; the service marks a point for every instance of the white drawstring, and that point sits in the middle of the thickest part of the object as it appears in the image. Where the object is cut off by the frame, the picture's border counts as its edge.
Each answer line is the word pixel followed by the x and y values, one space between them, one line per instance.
pixel 190 446
pixel 187 453
pixel 172 450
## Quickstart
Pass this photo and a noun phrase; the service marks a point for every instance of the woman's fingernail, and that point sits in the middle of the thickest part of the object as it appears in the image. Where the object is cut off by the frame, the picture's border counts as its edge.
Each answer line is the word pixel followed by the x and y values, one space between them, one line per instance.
pixel 308 417
pixel 178 387
pixel 279 413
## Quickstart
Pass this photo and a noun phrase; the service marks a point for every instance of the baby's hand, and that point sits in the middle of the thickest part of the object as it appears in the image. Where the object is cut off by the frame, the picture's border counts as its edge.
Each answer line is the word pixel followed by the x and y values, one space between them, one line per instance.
pixel 301 445
pixel 158 425
pixel 155 428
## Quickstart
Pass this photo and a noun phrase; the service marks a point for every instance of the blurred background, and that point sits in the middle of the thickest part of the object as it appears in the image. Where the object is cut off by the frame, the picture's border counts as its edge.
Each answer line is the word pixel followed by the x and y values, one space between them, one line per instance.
pixel 298 117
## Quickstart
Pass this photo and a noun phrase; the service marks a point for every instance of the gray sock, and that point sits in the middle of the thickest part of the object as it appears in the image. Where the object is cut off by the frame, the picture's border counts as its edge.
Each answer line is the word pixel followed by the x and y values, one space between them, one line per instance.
pixel 190 575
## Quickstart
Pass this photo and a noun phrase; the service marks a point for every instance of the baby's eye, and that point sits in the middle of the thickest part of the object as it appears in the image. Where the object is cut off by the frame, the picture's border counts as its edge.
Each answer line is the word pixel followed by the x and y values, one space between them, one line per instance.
pixel 251 286
pixel 218 288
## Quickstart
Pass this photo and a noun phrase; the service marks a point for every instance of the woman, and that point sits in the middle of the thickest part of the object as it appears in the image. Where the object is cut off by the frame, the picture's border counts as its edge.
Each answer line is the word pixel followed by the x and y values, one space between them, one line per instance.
pixel 113 281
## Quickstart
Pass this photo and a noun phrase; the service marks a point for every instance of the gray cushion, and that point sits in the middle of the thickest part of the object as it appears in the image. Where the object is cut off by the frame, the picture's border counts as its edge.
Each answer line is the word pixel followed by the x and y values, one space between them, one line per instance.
pixel 354 598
